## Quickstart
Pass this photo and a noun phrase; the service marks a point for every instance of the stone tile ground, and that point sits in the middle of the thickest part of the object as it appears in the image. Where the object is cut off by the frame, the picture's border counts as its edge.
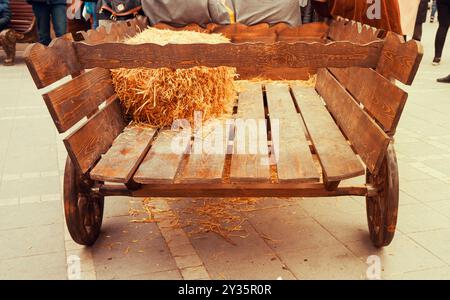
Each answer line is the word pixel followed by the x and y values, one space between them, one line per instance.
pixel 311 238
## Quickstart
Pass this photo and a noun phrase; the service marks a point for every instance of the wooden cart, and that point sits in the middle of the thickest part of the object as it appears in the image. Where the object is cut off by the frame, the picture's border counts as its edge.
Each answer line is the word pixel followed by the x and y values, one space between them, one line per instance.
pixel 341 129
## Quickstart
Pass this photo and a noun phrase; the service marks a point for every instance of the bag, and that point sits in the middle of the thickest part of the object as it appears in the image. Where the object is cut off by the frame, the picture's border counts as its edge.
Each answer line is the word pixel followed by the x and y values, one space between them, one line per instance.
pixel 185 12
pixel 122 9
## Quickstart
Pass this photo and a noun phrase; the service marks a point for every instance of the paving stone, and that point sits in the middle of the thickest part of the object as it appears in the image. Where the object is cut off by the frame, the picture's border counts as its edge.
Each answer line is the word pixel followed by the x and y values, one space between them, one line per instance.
pixel 346 227
pixel 323 206
pixel 427 190
pixel 325 262
pixel 285 231
pixel 419 217
pixel 188 261
pixel 165 275
pixel 33 240
pixel 442 273
pixel 46 266
pixel 402 255
pixel 194 273
pixel 435 241
pixel 31 215
pixel 249 258
pixel 443 207
pixel 126 249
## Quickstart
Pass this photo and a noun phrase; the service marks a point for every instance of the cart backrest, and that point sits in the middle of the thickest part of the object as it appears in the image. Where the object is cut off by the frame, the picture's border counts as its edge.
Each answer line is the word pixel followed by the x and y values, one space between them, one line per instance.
pixel 365 102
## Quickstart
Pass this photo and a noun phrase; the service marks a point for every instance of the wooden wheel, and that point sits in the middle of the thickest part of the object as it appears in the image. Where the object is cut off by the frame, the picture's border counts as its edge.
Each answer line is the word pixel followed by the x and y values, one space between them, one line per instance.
pixel 83 211
pixel 382 209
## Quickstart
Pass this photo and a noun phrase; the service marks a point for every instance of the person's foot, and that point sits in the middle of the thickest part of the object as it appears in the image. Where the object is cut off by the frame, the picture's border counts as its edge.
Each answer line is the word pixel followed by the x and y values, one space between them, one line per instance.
pixel 436 61
pixel 444 80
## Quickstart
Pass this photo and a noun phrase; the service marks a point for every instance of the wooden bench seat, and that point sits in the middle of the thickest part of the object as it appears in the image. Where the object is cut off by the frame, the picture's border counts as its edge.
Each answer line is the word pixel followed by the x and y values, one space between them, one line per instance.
pixel 148 152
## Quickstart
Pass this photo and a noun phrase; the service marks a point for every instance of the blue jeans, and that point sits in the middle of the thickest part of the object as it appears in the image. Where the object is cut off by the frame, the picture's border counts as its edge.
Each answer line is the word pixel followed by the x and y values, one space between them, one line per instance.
pixel 46 12
pixel 433 8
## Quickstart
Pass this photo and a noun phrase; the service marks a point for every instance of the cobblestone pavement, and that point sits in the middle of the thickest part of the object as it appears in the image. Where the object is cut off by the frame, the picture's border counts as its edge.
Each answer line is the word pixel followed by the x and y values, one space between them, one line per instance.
pixel 303 239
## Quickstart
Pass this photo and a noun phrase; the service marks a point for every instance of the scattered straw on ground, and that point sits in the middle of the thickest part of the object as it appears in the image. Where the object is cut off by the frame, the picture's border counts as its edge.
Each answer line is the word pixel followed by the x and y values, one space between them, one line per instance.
pixel 222 216
pixel 157 97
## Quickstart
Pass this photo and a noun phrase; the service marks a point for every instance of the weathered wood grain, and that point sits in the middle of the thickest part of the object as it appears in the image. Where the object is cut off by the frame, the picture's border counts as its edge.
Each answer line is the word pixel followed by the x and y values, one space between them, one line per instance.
pixel 381 98
pixel 207 157
pixel 250 159
pixel 162 161
pixel 50 64
pixel 293 157
pixel 368 139
pixel 78 98
pixel 400 60
pixel 296 55
pixel 124 156
pixel 86 145
pixel 337 159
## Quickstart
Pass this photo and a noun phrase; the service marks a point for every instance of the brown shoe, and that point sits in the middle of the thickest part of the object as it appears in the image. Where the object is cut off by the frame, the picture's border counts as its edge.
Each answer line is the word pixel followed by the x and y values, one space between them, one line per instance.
pixel 444 80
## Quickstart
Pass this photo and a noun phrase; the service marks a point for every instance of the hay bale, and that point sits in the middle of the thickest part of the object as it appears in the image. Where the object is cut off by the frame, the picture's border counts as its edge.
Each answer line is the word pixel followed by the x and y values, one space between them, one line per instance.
pixel 157 97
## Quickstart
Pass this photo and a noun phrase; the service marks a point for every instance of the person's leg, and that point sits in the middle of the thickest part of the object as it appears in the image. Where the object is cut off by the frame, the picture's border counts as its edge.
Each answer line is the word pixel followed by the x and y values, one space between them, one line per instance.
pixel 441 34
pixel 59 19
pixel 42 14
pixel 418 32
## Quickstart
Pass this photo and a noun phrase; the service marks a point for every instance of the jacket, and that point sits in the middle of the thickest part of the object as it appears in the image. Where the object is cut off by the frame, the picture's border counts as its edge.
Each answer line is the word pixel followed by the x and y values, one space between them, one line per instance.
pixel 5 13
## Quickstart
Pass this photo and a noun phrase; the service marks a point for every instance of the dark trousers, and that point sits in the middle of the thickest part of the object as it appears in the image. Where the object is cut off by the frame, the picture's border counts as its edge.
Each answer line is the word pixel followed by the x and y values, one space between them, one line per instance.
pixel 443 7
pixel 46 12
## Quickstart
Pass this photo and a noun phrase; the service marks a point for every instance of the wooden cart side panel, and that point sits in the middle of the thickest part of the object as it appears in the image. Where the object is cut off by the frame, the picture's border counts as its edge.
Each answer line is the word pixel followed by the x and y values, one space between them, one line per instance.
pixel 78 98
pixel 291 55
pixel 348 30
pixel 50 64
pixel 124 156
pixel 336 157
pixel 368 139
pixel 86 145
pixel 399 60
pixel 382 99
pixel 117 32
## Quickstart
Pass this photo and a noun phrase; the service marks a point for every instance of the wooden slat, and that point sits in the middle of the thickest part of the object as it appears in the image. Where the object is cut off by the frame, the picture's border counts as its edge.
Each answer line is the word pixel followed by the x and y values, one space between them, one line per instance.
pixel 79 97
pixel 296 55
pixel 400 60
pixel 124 156
pixel 294 159
pixel 368 139
pixel 381 98
pixel 86 145
pixel 162 162
pixel 250 159
pixel 203 165
pixel 336 157
pixel 50 64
